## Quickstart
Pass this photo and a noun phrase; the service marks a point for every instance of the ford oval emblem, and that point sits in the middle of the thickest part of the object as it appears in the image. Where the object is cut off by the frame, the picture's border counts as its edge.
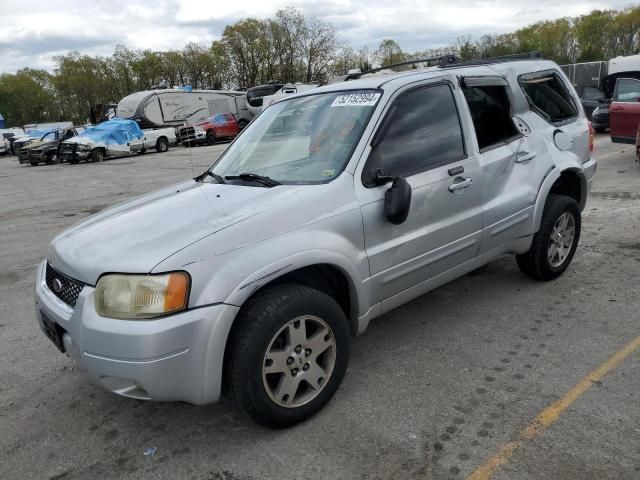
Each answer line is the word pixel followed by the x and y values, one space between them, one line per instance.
pixel 56 285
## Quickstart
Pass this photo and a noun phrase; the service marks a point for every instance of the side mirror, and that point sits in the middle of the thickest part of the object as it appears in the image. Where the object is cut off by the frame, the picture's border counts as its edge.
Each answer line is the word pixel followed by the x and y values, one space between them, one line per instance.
pixel 397 201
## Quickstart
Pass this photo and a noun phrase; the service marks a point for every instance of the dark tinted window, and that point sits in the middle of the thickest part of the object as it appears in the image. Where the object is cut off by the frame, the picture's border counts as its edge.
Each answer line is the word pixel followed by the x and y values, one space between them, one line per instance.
pixel 491 114
pixel 421 132
pixel 627 90
pixel 592 93
pixel 549 97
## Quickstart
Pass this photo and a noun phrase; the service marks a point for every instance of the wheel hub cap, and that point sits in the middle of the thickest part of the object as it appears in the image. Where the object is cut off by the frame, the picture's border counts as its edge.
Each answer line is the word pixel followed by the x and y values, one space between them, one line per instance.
pixel 299 361
pixel 561 239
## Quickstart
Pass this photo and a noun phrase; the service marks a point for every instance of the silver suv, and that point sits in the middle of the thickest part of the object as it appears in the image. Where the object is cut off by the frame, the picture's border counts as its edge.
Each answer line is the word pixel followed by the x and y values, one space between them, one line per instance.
pixel 331 208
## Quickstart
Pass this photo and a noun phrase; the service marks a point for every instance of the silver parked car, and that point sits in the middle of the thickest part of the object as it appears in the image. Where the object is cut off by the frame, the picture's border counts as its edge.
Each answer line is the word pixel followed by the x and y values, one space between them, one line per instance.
pixel 331 208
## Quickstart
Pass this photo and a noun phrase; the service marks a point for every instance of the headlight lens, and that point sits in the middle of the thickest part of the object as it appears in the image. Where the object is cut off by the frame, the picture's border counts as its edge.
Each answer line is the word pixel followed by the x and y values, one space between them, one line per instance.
pixel 141 296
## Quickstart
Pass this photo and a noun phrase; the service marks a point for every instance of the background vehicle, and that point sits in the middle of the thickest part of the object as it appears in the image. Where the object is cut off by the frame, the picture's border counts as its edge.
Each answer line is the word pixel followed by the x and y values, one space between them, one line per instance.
pixel 255 95
pixel 264 266
pixel 174 107
pixel 45 150
pixel 114 138
pixel 5 145
pixel 600 118
pixel 591 99
pixel 28 138
pixel 624 111
pixel 11 135
pixel 219 127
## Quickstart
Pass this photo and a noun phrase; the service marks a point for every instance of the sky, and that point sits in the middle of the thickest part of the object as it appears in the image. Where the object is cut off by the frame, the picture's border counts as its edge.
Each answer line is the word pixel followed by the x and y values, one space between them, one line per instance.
pixel 32 32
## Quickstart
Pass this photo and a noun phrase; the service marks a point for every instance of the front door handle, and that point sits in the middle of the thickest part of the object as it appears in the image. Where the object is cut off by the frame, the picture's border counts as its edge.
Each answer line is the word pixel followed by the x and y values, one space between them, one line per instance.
pixel 460 184
pixel 524 157
pixel 617 108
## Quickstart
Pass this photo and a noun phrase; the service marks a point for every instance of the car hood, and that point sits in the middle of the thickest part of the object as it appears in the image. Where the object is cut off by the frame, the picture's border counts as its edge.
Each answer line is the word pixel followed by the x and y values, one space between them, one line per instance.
pixel 135 236
pixel 81 140
pixel 41 144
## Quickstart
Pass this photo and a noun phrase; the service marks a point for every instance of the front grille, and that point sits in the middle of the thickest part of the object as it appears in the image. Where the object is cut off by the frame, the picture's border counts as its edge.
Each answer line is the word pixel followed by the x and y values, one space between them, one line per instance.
pixel 186 133
pixel 67 289
pixel 23 155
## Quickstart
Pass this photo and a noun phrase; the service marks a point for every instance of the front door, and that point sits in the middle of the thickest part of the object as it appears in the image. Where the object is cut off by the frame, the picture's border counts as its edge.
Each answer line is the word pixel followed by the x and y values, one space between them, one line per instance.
pixel 624 112
pixel 421 140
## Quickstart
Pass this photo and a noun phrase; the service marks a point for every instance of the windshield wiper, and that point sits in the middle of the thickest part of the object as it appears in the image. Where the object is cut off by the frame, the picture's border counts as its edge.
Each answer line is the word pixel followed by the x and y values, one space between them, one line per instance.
pixel 209 173
pixel 254 177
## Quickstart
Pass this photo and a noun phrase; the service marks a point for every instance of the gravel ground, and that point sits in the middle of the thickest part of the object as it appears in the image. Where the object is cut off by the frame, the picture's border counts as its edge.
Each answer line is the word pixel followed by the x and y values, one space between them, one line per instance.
pixel 433 389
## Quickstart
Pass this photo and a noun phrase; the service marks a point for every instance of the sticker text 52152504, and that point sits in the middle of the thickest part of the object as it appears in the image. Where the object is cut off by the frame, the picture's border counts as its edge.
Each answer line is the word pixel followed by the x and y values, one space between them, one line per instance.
pixel 356 100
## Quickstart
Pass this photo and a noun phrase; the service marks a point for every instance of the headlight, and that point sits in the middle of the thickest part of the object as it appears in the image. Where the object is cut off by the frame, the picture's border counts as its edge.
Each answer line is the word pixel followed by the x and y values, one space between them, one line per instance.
pixel 141 296
pixel 83 147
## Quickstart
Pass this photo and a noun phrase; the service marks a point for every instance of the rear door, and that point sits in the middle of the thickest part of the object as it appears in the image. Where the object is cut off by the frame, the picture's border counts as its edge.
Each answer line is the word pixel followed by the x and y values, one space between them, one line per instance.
pixel 512 168
pixel 421 139
pixel 624 112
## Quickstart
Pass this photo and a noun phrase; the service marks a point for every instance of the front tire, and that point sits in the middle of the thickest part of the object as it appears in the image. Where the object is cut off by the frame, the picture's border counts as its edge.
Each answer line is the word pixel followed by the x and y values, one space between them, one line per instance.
pixel 97 155
pixel 289 353
pixel 555 242
pixel 211 138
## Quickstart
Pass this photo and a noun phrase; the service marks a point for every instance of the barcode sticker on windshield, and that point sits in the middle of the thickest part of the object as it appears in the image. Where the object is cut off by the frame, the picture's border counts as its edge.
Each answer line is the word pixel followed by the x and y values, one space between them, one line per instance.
pixel 356 100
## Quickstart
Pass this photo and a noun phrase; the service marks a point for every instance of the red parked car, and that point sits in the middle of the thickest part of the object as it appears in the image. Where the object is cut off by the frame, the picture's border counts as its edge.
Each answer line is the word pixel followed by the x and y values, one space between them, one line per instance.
pixel 624 111
pixel 222 126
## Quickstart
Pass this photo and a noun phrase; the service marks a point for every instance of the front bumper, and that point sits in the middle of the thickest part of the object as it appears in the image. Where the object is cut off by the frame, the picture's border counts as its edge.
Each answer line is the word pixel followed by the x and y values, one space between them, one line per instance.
pixel 175 358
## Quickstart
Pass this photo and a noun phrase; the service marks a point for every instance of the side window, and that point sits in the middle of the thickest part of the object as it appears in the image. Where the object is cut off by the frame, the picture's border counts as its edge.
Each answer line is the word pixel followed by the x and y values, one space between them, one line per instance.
pixel 228 117
pixel 421 132
pixel 491 114
pixel 548 97
pixel 627 90
pixel 218 119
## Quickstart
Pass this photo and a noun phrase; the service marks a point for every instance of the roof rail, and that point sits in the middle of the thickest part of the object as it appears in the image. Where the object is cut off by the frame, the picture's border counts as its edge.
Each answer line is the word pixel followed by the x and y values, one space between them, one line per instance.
pixel 504 58
pixel 441 61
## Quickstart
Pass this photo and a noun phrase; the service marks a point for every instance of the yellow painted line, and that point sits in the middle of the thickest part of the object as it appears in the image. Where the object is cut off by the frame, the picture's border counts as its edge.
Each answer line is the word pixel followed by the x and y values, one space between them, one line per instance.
pixel 551 413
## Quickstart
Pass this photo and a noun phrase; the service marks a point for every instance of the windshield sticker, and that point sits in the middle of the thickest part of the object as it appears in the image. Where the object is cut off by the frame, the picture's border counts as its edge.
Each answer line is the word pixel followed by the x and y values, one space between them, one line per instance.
pixel 356 100
pixel 329 173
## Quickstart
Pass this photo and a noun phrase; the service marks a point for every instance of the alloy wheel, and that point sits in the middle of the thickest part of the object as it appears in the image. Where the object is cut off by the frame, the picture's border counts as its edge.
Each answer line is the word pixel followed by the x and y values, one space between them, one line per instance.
pixel 299 361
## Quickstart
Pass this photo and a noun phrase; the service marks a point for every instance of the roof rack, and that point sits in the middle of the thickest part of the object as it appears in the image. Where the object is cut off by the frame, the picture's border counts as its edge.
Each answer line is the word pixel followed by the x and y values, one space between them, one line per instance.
pixel 446 61
pixel 441 61
pixel 501 59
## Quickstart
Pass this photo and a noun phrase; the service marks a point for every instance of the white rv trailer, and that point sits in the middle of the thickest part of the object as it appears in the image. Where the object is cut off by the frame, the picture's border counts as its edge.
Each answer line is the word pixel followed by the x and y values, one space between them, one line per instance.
pixel 174 107
pixel 624 64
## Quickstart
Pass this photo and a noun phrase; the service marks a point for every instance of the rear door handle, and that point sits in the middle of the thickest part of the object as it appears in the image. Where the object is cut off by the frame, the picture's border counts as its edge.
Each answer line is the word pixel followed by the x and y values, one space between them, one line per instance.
pixel 524 157
pixel 460 184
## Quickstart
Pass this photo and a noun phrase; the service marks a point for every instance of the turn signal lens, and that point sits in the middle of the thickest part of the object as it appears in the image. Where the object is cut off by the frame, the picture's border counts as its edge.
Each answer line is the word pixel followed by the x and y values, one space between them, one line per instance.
pixel 141 296
pixel 591 137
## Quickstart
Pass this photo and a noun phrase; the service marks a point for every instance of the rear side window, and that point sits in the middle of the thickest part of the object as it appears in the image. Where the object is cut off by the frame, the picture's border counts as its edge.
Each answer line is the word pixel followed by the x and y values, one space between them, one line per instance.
pixel 421 132
pixel 627 90
pixel 549 97
pixel 491 114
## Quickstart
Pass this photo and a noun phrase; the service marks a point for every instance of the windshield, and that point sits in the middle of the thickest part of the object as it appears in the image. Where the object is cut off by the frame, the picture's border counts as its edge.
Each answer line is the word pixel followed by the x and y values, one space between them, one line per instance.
pixel 302 140
pixel 49 136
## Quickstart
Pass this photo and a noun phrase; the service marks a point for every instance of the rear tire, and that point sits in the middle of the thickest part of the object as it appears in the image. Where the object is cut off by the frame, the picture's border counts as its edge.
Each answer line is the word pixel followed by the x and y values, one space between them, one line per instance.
pixel 162 145
pixel 211 138
pixel 242 123
pixel 279 330
pixel 555 243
